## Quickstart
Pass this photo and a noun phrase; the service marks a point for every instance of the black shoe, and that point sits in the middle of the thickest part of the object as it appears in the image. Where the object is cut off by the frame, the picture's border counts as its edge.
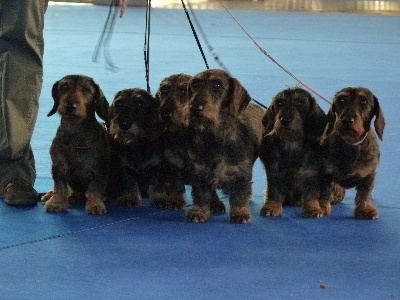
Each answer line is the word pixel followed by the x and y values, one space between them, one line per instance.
pixel 19 192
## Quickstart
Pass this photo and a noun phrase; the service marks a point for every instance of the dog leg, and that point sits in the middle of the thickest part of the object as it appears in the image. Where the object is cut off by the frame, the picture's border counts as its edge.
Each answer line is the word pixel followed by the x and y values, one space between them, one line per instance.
pixel 239 200
pixel 271 207
pixel 130 196
pixel 338 193
pixel 217 206
pixel 364 207
pixel 201 204
pixel 59 199
pixel 312 209
pixel 95 204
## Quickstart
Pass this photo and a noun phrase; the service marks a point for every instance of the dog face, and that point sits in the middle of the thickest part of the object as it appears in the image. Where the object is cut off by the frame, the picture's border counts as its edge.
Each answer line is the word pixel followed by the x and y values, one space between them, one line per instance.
pixel 173 96
pixel 133 114
pixel 293 115
pixel 214 93
pixel 351 114
pixel 78 97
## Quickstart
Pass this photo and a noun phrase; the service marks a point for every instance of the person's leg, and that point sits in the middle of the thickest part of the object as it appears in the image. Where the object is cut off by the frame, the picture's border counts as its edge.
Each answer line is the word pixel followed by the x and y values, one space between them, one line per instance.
pixel 21 73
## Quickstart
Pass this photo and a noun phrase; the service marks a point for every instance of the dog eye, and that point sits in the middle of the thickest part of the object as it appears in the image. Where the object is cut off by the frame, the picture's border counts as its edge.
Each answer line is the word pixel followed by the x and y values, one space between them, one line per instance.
pixel 217 86
pixel 165 90
pixel 301 104
pixel 279 103
pixel 85 90
pixel 63 86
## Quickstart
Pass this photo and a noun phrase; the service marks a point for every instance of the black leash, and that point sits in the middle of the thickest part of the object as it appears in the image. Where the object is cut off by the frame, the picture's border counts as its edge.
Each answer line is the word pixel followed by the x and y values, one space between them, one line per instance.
pixel 146 48
pixel 209 46
pixel 105 37
pixel 195 34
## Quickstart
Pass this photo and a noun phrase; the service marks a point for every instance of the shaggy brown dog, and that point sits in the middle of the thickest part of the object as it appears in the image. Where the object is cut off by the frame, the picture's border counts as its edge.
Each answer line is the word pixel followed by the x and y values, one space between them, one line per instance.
pixel 224 136
pixel 80 150
pixel 135 129
pixel 351 147
pixel 290 153
pixel 173 96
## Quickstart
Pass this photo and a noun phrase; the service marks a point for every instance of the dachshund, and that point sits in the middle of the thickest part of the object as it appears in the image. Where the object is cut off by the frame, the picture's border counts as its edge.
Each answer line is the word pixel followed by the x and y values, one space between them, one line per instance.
pixel 80 150
pixel 350 146
pixel 289 151
pixel 173 96
pixel 224 135
pixel 135 130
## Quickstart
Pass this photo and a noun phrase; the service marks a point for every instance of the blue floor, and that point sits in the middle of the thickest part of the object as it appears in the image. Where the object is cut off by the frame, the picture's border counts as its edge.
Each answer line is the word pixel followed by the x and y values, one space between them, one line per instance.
pixel 147 253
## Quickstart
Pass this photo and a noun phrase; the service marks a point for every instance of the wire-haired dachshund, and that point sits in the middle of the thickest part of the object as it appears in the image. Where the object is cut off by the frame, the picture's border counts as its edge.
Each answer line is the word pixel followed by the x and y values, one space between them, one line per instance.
pixel 224 137
pixel 289 151
pixel 80 150
pixel 350 146
pixel 135 129
pixel 173 96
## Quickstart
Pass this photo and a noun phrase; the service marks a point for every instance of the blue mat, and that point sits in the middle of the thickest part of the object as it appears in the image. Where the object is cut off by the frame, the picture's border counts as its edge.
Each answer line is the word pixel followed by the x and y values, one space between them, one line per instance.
pixel 147 253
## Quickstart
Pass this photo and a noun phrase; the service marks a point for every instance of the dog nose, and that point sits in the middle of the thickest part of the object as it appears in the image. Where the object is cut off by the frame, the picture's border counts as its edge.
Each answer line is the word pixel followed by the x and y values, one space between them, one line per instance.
pixel 285 121
pixel 166 116
pixel 124 125
pixel 196 109
pixel 348 121
pixel 70 108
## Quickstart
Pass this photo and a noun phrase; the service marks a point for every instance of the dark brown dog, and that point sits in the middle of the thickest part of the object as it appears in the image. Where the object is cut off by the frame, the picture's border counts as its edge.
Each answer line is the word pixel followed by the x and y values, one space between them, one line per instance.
pixel 351 148
pixel 293 123
pixel 135 128
pixel 173 96
pixel 80 151
pixel 224 137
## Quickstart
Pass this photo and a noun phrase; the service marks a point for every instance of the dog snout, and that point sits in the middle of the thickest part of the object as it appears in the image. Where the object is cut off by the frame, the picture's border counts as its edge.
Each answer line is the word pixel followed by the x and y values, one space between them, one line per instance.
pixel 285 121
pixel 124 125
pixel 166 116
pixel 196 108
pixel 347 121
pixel 70 108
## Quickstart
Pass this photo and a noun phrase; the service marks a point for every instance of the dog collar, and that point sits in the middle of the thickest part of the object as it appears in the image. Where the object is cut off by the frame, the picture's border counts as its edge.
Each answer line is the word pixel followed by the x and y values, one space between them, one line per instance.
pixel 359 142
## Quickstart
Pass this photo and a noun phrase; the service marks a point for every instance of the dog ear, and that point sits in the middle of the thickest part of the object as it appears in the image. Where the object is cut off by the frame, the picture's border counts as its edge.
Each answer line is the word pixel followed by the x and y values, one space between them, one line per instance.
pixel 379 122
pixel 331 117
pixel 268 120
pixel 238 96
pixel 316 120
pixel 55 98
pixel 101 105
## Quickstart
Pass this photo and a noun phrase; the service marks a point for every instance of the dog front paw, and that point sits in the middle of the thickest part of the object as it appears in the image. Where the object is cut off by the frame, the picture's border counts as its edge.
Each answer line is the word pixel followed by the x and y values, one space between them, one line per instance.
pixel 176 201
pixel 198 215
pixel 271 209
pixel 130 200
pixel 312 209
pixel 326 208
pixel 158 200
pixel 240 215
pixel 365 210
pixel 56 204
pixel 95 207
pixel 217 206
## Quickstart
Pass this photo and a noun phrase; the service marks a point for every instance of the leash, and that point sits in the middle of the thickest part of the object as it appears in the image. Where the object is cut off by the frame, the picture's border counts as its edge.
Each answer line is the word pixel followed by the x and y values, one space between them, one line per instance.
pixel 146 47
pixel 274 60
pixel 105 37
pixel 194 33
pixel 209 46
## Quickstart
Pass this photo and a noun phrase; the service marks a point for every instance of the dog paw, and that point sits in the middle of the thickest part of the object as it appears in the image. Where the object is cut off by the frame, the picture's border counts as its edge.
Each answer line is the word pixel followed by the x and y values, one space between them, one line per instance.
pixel 338 193
pixel 96 207
pixel 198 215
pixel 240 215
pixel 158 200
pixel 176 202
pixel 326 208
pixel 56 204
pixel 271 209
pixel 45 197
pixel 130 200
pixel 312 209
pixel 217 206
pixel 365 210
